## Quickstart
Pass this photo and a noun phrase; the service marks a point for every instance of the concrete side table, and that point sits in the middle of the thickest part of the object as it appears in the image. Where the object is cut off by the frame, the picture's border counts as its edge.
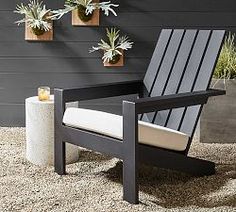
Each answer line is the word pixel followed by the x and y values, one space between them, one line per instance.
pixel 40 133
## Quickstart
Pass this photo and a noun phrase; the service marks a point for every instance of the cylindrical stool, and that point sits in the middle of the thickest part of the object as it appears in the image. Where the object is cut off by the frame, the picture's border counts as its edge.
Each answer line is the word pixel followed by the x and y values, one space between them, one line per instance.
pixel 40 133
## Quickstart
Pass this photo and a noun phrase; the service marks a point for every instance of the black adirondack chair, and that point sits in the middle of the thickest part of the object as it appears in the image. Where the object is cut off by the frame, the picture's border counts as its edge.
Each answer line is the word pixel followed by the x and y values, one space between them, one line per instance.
pixel 171 97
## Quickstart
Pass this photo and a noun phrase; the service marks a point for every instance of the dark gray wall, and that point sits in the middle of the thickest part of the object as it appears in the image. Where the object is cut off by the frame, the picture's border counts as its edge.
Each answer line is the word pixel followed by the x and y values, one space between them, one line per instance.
pixel 65 62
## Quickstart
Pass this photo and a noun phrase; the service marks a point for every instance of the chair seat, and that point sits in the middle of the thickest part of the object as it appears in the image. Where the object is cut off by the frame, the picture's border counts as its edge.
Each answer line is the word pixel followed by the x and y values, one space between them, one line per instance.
pixel 112 125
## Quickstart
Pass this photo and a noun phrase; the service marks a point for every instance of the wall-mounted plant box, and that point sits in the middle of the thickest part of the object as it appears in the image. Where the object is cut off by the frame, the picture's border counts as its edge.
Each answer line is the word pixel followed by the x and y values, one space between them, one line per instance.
pixel 94 21
pixel 118 64
pixel 30 36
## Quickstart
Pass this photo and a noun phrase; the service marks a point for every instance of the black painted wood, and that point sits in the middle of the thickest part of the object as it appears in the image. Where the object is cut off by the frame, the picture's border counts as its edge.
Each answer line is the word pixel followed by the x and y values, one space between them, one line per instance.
pixel 189 74
pixel 140 18
pixel 157 58
pixel 66 33
pixel 59 144
pixel 158 87
pixel 58 65
pixel 158 92
pixel 81 34
pixel 102 90
pixel 179 162
pixel 128 149
pixel 68 50
pixel 186 65
pixel 159 103
pixel 203 79
pixel 103 144
pixel 155 64
pixel 130 153
pixel 25 65
pixel 167 5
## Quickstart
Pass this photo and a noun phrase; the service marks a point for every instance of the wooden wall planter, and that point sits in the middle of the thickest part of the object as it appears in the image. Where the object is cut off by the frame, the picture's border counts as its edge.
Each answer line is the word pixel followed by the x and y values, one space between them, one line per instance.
pixel 76 21
pixel 30 36
pixel 120 63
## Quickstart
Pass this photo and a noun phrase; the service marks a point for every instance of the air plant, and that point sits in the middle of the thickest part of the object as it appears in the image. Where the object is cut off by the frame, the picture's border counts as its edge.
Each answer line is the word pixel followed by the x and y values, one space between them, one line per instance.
pixel 37 16
pixel 85 8
pixel 113 49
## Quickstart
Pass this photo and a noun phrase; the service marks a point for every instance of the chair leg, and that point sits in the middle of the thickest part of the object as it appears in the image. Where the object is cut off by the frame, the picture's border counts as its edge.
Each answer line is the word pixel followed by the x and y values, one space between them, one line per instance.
pixel 179 162
pixel 130 181
pixel 60 158
pixel 130 160
pixel 198 167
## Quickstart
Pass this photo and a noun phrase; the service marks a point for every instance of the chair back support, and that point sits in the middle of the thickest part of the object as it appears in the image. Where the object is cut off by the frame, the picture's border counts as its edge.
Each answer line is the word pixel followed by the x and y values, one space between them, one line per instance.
pixel 183 61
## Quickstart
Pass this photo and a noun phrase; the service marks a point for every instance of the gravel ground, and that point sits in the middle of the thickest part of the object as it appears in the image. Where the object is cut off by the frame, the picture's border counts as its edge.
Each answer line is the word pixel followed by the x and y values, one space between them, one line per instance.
pixel 94 184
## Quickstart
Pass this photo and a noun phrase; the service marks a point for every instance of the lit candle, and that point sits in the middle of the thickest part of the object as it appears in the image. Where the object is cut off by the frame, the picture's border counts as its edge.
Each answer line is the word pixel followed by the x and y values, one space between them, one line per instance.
pixel 44 93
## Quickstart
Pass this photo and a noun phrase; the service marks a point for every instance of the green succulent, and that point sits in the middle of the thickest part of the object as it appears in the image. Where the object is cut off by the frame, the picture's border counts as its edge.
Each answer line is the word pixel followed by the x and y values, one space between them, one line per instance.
pixel 113 46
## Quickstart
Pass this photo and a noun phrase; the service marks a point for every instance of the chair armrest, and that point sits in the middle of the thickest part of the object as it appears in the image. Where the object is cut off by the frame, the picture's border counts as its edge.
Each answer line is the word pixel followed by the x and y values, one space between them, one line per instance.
pixel 100 91
pixel 150 104
pixel 61 96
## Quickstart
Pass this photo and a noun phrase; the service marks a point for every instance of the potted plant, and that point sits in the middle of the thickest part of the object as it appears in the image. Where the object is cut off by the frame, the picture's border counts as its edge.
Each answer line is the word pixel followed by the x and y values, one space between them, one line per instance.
pixel 38 20
pixel 114 48
pixel 86 12
pixel 218 120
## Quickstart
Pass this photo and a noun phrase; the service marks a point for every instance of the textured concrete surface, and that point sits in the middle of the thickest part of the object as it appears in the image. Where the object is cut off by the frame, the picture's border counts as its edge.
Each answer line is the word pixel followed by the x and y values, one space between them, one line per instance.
pixel 95 182
pixel 218 119
pixel 40 132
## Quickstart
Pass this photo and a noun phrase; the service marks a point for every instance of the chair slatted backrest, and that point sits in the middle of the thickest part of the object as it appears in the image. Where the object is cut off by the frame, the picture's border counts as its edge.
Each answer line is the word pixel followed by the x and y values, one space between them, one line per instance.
pixel 183 61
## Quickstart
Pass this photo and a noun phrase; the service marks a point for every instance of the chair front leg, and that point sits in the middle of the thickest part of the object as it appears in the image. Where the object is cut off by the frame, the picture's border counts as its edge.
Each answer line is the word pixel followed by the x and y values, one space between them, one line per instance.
pixel 59 145
pixel 60 157
pixel 130 159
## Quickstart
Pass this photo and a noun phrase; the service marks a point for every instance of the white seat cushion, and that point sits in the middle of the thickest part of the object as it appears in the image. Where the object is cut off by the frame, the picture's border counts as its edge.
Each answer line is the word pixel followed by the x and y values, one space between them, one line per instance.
pixel 112 125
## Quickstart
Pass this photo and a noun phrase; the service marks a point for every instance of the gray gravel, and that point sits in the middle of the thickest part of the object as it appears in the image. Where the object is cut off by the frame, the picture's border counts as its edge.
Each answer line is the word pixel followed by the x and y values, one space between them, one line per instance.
pixel 94 184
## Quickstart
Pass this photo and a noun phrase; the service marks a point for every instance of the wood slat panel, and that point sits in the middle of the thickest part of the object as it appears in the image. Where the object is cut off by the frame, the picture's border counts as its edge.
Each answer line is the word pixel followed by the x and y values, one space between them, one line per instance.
pixel 18 95
pixel 34 80
pixel 70 65
pixel 203 79
pixel 67 50
pixel 166 67
pixel 144 19
pixel 189 76
pixel 11 4
pixel 187 66
pixel 81 34
pixel 147 5
pixel 157 58
pixel 177 72
pixel 180 5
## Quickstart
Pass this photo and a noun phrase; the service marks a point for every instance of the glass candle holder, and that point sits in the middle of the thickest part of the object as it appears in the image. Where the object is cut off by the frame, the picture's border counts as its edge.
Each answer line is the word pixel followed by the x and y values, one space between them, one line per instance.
pixel 44 93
